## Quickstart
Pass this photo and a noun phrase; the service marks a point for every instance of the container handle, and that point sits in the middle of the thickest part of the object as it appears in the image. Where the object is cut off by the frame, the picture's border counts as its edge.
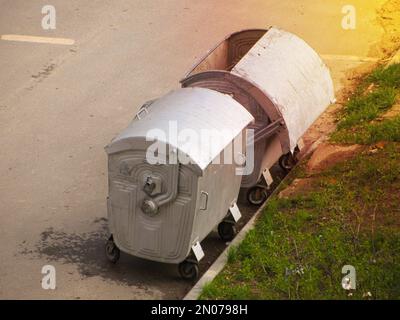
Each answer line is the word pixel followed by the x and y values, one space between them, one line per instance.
pixel 142 110
pixel 206 202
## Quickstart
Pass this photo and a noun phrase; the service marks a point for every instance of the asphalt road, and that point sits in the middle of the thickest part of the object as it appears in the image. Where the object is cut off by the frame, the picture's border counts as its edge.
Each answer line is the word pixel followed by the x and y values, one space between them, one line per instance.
pixel 61 104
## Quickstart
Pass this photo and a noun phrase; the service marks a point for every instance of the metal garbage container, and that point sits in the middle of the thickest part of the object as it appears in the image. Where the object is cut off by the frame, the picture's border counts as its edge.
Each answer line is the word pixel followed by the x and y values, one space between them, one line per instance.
pixel 167 194
pixel 281 81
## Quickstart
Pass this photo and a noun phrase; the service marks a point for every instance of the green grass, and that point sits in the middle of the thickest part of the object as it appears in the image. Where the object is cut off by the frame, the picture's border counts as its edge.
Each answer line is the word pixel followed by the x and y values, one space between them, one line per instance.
pixel 350 216
pixel 386 77
pixel 376 94
pixel 300 245
pixel 363 108
pixel 388 130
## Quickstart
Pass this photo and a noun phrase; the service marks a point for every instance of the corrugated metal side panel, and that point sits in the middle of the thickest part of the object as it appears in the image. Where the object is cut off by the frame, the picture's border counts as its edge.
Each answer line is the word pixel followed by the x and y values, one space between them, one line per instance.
pixel 292 75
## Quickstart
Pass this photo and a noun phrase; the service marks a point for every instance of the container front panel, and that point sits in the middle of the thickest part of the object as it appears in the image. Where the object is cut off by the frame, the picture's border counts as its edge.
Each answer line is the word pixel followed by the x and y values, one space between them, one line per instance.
pixel 164 236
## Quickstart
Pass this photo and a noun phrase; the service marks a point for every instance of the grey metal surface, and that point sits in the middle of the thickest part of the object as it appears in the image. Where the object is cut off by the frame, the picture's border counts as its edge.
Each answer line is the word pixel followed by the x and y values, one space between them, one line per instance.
pixel 227 52
pixel 196 109
pixel 163 221
pixel 278 78
pixel 292 75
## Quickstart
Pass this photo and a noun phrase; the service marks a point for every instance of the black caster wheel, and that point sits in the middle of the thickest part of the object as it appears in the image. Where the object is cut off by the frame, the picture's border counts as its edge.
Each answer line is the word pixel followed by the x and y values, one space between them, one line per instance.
pixel 189 270
pixel 287 162
pixel 226 231
pixel 112 251
pixel 257 195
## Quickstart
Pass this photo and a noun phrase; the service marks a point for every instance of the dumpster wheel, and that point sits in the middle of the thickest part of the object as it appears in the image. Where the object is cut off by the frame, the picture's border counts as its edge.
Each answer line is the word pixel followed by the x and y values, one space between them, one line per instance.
pixel 189 270
pixel 287 161
pixel 112 251
pixel 226 230
pixel 257 194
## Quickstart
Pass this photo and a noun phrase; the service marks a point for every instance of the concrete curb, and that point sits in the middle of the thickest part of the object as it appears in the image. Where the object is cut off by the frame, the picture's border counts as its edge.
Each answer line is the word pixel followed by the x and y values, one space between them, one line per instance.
pixel 221 261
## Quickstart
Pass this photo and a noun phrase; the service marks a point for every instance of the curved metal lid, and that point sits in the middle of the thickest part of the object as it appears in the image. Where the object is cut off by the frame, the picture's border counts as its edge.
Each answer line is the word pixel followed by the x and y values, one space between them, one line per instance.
pixel 292 76
pixel 197 122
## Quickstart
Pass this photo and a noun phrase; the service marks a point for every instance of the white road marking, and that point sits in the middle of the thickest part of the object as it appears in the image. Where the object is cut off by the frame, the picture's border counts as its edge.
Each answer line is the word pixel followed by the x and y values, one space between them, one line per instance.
pixel 16 37
pixel 348 58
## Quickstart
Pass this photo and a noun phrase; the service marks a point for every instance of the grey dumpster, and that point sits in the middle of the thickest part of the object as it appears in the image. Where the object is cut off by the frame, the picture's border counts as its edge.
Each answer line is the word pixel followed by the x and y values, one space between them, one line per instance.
pixel 281 81
pixel 166 194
